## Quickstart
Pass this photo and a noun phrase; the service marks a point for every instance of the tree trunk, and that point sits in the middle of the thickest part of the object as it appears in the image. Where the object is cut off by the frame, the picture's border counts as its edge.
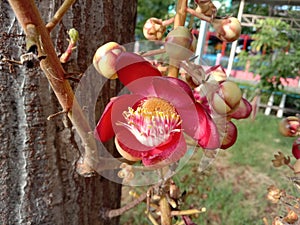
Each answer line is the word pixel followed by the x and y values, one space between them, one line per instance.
pixel 38 180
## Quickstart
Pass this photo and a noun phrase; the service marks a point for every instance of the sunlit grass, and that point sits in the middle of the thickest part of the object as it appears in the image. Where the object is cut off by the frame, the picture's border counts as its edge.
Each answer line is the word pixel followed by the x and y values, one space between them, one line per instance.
pixel 234 188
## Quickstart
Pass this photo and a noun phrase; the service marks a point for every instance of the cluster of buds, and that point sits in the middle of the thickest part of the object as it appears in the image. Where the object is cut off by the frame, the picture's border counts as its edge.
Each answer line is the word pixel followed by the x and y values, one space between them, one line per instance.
pixel 227 28
pixel 225 101
pixel 290 127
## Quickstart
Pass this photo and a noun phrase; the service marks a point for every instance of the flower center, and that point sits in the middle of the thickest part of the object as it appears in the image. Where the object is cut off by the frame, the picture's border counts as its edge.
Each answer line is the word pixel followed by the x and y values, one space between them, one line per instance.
pixel 153 121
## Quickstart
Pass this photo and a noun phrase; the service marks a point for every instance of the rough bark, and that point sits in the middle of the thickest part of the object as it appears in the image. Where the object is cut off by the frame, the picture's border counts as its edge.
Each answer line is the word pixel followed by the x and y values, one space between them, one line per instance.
pixel 38 181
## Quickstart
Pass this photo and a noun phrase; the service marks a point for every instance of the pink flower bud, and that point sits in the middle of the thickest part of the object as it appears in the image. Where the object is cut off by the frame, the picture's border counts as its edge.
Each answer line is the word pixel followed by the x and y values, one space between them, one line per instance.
pixel 178 43
pixel 228 29
pixel 154 29
pixel 216 73
pixel 227 98
pixel 243 110
pixel 296 148
pixel 230 135
pixel 105 59
pixel 289 126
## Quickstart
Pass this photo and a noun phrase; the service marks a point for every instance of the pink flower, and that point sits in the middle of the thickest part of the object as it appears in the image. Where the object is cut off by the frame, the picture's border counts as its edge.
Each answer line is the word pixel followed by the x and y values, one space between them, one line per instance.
pixel 149 124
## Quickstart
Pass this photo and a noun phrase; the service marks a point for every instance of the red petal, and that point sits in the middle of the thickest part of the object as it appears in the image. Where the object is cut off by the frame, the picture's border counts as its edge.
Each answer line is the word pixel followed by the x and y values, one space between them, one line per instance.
pixel 243 111
pixel 207 133
pixel 182 84
pixel 106 127
pixel 183 103
pixel 167 153
pixel 130 67
pixel 162 155
pixel 104 130
pixel 230 135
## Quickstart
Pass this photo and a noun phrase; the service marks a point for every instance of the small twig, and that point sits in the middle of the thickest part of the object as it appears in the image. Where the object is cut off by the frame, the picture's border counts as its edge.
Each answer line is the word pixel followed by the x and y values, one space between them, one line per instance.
pixel 187 212
pixel 57 114
pixel 151 218
pixel 59 14
pixel 199 15
pixel 12 61
pixel 168 21
pixel 117 212
pixel 290 166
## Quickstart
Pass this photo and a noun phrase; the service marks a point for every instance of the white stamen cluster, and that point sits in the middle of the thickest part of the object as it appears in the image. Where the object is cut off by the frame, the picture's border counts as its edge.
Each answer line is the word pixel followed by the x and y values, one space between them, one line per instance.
pixel 151 128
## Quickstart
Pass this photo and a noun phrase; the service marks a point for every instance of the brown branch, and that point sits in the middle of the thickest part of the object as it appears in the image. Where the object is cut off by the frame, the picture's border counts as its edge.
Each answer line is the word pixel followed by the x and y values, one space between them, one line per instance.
pixel 37 33
pixel 180 16
pixel 59 14
pixel 117 212
pixel 179 20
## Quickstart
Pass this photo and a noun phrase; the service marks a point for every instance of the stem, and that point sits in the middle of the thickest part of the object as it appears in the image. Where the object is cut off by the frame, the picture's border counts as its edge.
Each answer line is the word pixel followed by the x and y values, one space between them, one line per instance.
pixel 59 14
pixel 180 16
pixel 179 20
pixel 165 211
pixel 187 212
pixel 117 212
pixel 290 166
pixel 199 15
pixel 168 21
pixel 33 25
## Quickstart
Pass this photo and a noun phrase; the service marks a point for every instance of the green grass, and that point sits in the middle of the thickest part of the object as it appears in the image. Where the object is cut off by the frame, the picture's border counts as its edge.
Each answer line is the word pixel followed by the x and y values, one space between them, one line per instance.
pixel 234 188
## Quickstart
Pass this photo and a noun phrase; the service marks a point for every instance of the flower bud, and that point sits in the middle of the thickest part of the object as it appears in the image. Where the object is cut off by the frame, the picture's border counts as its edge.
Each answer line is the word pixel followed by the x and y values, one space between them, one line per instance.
pixel 230 135
pixel 227 98
pixel 296 148
pixel 154 29
pixel 228 29
pixel 178 43
pixel 216 73
pixel 105 59
pixel 243 110
pixel 289 126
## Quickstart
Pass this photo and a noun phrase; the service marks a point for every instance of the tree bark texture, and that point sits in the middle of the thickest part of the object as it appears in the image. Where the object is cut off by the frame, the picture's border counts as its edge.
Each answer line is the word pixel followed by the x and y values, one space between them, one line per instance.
pixel 38 180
